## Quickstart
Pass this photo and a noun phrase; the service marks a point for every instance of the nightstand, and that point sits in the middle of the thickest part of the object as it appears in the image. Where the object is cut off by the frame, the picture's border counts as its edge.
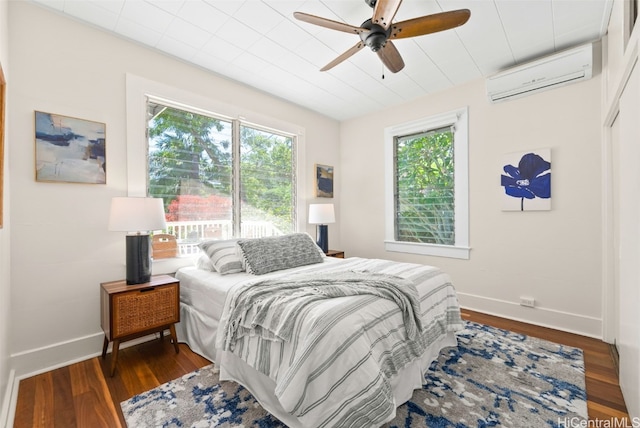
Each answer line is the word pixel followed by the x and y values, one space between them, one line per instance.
pixel 131 311
pixel 335 253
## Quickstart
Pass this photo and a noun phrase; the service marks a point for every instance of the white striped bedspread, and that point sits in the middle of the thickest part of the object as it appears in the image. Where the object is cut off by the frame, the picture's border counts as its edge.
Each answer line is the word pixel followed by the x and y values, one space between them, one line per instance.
pixel 335 370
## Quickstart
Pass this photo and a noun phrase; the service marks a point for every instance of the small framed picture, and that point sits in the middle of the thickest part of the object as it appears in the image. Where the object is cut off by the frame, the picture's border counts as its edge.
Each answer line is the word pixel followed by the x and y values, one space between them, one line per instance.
pixel 324 181
pixel 70 150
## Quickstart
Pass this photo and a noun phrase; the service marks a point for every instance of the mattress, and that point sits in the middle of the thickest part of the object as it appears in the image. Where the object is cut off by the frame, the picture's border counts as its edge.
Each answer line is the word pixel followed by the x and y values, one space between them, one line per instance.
pixel 202 298
pixel 205 291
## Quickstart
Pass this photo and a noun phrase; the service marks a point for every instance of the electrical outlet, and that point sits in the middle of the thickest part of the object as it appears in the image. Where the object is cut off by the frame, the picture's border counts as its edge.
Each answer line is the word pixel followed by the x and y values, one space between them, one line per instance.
pixel 529 302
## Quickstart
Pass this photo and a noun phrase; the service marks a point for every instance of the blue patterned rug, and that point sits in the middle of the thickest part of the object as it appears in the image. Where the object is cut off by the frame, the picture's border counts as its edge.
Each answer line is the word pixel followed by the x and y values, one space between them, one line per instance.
pixel 494 378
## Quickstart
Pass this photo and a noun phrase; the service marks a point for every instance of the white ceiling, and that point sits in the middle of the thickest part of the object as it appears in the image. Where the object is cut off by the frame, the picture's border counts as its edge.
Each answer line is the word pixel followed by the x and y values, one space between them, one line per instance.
pixel 261 44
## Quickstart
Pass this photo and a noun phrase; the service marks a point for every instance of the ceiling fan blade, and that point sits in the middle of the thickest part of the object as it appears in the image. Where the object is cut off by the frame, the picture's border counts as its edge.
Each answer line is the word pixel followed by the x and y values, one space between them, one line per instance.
pixel 327 23
pixel 384 12
pixel 344 56
pixel 391 57
pixel 429 24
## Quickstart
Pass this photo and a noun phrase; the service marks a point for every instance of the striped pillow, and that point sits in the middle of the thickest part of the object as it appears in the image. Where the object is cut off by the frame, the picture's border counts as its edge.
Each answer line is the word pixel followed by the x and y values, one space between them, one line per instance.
pixel 223 255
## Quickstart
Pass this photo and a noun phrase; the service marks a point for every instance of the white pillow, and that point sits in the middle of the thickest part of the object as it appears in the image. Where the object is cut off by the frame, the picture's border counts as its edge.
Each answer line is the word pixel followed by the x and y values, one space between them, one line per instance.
pixel 223 255
pixel 204 262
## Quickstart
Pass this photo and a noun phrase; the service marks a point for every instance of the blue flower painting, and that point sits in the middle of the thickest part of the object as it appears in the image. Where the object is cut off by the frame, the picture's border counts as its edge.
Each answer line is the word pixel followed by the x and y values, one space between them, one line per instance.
pixel 530 180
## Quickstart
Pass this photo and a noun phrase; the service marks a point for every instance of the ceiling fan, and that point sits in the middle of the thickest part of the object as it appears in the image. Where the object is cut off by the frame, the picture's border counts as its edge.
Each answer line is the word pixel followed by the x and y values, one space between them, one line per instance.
pixel 378 31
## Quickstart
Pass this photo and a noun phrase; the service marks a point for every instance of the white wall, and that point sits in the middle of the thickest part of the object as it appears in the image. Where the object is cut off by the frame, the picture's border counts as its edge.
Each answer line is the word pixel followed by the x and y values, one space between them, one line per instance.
pixel 61 249
pixel 553 256
pixel 5 289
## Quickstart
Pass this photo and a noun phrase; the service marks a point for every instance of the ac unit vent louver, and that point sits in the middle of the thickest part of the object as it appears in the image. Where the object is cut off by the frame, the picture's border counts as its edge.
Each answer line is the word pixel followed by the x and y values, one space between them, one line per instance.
pixel 553 71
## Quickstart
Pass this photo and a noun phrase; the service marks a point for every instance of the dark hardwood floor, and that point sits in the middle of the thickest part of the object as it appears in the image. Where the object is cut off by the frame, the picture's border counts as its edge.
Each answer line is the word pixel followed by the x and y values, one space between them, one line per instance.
pixel 83 394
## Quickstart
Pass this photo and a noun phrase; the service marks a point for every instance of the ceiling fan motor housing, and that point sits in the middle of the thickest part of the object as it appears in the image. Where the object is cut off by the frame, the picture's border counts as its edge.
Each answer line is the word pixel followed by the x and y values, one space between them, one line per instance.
pixel 375 37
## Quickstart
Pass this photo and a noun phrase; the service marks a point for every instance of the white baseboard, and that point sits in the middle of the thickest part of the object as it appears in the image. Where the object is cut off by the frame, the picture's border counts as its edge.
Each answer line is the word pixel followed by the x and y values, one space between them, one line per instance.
pixel 35 361
pixel 39 360
pixel 8 403
pixel 544 317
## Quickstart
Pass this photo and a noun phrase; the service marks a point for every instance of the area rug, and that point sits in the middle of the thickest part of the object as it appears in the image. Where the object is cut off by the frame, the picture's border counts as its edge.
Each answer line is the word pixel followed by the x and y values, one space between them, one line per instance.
pixel 493 378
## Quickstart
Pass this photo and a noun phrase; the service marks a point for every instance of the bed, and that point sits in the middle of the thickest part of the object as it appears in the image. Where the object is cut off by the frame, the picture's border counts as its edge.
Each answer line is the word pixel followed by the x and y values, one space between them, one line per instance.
pixel 346 356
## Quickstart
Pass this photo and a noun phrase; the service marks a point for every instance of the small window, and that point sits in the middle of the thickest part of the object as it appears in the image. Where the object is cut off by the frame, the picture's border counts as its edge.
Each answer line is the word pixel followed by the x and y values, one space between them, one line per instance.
pixel 424 187
pixel 427 186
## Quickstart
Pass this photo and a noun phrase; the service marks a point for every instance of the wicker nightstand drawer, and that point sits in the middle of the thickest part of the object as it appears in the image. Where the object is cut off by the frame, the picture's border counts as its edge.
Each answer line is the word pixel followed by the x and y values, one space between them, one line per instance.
pixel 144 309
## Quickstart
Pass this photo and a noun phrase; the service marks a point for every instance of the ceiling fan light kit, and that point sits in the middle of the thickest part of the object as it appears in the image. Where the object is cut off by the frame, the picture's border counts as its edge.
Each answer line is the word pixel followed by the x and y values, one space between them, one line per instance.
pixel 377 32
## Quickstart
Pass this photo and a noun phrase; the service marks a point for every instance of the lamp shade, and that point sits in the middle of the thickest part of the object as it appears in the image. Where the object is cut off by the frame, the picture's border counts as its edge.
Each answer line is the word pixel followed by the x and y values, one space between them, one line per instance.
pixel 131 214
pixel 321 214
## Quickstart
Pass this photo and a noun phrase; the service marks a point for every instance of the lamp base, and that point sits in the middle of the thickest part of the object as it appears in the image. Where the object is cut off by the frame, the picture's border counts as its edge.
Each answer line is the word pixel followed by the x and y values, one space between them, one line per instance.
pixel 138 259
pixel 323 238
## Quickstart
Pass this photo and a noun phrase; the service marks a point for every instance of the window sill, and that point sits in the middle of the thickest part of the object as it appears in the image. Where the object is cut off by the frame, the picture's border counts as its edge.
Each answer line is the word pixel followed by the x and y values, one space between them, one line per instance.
pixel 172 264
pixel 428 249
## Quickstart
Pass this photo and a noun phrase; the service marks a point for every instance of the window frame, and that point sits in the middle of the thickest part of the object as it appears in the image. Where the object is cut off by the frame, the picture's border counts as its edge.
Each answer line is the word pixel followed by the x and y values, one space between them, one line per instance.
pixel 459 119
pixel 138 90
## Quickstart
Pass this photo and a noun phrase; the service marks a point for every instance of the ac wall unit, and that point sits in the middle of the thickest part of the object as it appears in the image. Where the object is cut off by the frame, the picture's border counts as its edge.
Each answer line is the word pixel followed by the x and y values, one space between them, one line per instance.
pixel 550 72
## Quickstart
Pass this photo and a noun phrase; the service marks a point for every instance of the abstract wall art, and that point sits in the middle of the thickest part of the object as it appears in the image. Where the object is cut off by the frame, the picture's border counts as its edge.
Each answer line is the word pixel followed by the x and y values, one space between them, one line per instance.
pixel 526 181
pixel 69 150
pixel 324 181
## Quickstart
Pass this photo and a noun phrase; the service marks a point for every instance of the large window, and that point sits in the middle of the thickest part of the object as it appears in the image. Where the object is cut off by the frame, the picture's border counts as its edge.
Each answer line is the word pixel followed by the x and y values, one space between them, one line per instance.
pixel 427 186
pixel 219 177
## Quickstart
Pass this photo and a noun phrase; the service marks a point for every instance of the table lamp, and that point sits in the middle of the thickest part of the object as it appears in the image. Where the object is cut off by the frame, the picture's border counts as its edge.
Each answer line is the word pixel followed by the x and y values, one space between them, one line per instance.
pixel 322 214
pixel 137 217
